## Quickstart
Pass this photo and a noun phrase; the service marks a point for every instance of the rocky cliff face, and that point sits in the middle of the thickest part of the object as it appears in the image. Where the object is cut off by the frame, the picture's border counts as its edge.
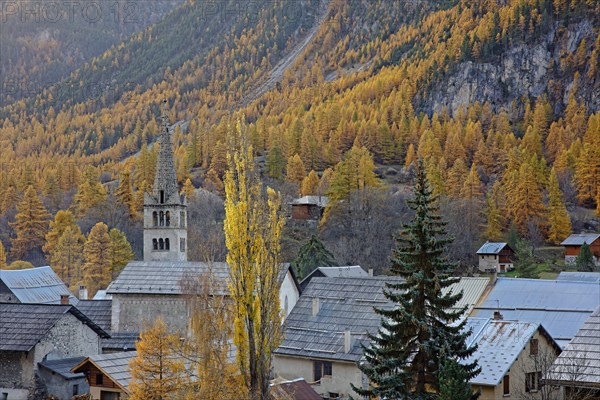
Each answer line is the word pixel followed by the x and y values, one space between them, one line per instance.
pixel 529 69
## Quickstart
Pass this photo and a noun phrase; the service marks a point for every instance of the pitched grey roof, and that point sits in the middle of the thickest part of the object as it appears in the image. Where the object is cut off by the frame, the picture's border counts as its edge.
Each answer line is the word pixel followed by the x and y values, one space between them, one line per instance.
pixel 579 363
pixel 120 341
pixel 98 311
pixel 491 248
pixel 63 367
pixel 560 306
pixel 345 304
pixel 351 271
pixel 499 344
pixel 36 285
pixel 171 277
pixel 22 326
pixel 320 201
pixel 579 276
pixel 113 365
pixel 578 239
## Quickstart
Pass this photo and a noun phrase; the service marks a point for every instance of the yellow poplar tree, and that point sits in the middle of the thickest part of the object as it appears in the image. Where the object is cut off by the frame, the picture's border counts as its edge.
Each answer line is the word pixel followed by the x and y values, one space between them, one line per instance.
pixel 31 224
pixel 120 252
pixel 156 372
pixel 558 217
pixel 310 184
pixel 67 257
pixel 252 234
pixel 96 251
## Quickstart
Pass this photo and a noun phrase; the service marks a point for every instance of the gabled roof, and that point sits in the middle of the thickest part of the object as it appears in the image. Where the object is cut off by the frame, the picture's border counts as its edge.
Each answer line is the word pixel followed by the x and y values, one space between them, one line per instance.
pixel 36 285
pixel 22 326
pixel 561 306
pixel 114 365
pixel 297 389
pixel 347 304
pixel 170 277
pixel 579 363
pixel 63 367
pixel 499 343
pixel 320 201
pixel 351 271
pixel 492 248
pixel 579 276
pixel 120 341
pixel 578 239
pixel 98 311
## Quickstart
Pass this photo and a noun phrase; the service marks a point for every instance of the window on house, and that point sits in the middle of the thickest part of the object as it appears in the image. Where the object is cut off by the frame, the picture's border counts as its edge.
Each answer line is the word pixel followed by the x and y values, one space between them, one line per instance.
pixel 182 245
pixel 75 390
pixel 99 379
pixel 532 381
pixel 533 347
pixel 4 396
pixel 327 368
pixel 154 244
pixel 333 395
pixel 321 369
pixel 182 219
pixel 506 385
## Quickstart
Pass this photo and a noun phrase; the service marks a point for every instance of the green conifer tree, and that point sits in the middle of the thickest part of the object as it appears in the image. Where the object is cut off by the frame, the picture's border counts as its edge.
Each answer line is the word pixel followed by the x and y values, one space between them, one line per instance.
pixel 585 260
pixel 421 331
pixel 312 255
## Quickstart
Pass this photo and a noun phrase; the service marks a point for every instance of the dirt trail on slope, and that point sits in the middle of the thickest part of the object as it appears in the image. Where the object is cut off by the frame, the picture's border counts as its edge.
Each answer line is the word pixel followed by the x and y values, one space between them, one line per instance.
pixel 276 74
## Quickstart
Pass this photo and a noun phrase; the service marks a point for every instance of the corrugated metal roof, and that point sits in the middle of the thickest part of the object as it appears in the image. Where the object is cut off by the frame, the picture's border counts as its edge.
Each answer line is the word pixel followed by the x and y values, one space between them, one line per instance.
pixel 579 276
pixel 491 248
pixel 472 288
pixel 113 365
pixel 347 304
pixel 579 363
pixel 320 201
pixel 63 367
pixel 22 326
pixel 577 239
pixel 499 343
pixel 36 285
pixel 560 306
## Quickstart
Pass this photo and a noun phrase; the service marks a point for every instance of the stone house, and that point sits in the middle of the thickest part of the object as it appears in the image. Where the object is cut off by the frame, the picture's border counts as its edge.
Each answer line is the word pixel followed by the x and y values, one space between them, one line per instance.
pixel 495 257
pixel 324 332
pixel 33 285
pixel 573 244
pixel 58 379
pixel 512 356
pixel 108 375
pixel 32 333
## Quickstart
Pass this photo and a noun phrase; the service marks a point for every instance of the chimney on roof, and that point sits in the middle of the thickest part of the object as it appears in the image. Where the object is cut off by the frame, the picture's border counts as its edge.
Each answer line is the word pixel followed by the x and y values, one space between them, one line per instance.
pixel 315 306
pixel 498 316
pixel 370 272
pixel 83 292
pixel 347 341
pixel 64 299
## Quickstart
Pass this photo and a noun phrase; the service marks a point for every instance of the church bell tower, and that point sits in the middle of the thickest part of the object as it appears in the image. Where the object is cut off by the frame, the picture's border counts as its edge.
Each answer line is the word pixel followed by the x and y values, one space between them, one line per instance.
pixel 165 214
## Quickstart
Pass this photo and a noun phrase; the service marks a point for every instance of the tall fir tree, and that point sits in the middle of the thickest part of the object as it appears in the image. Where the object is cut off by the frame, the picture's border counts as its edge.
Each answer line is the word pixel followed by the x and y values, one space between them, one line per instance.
pixel 558 217
pixel 585 259
pixel 421 332
pixel 312 255
pixel 525 265
pixel 96 251
pixel 31 224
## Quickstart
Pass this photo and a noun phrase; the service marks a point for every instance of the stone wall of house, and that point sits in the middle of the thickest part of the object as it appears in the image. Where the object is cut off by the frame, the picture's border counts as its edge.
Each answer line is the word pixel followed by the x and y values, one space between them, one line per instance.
pixel 62 388
pixel 131 312
pixel 488 262
pixel 13 370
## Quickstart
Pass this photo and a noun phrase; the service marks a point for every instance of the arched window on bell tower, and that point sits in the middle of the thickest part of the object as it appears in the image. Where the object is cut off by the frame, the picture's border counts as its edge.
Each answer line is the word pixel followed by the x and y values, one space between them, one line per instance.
pixel 161 244
pixel 167 218
pixel 162 197
pixel 154 244
pixel 167 244
pixel 155 218
pixel 162 218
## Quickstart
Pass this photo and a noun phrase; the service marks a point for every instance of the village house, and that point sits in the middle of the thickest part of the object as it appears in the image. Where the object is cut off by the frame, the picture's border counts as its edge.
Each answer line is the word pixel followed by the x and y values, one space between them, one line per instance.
pixel 309 207
pixel 573 245
pixel 495 257
pixel 58 379
pixel 33 333
pixel 33 285
pixel 108 375
pixel 354 271
pixel 324 332
pixel 577 369
pixel 160 285
pixel 560 306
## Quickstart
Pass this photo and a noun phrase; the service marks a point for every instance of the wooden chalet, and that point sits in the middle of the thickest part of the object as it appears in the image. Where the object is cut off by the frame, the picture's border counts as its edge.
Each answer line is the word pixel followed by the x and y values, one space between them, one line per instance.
pixel 495 256
pixel 107 374
pixel 309 207
pixel 573 245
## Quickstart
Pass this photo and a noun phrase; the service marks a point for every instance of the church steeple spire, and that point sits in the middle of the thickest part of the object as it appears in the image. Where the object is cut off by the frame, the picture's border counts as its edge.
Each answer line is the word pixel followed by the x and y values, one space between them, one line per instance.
pixel 165 180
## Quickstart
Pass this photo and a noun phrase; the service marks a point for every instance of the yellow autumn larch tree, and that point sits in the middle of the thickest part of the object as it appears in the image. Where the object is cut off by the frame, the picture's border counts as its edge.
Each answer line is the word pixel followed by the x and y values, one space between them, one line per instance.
pixel 253 229
pixel 558 217
pixel 31 224
pixel 96 252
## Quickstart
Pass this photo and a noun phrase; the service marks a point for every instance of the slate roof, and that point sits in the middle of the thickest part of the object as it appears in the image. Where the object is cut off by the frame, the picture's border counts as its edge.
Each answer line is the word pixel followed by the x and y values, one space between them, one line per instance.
pixel 36 285
pixel 63 367
pixel 578 239
pixel 320 201
pixel 113 365
pixel 98 311
pixel 297 389
pixel 560 306
pixel 579 363
pixel 120 341
pixel 22 326
pixel 579 276
pixel 345 304
pixel 491 248
pixel 499 344
pixel 166 277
